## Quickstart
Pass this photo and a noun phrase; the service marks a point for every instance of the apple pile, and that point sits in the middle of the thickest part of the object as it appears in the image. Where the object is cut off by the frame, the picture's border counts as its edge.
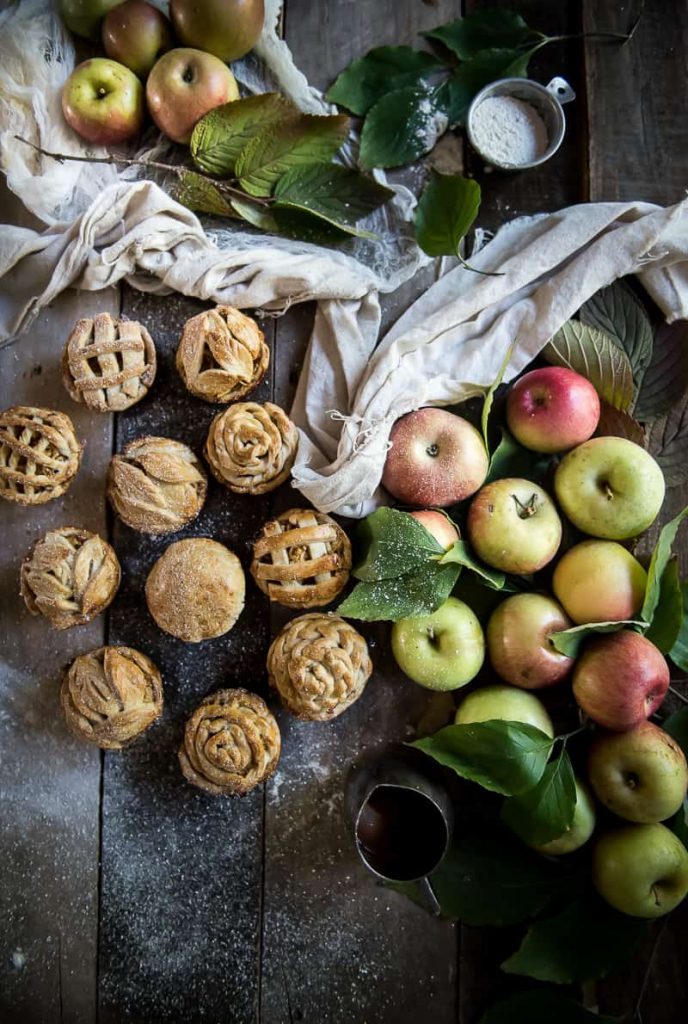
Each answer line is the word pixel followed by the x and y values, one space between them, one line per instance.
pixel 104 99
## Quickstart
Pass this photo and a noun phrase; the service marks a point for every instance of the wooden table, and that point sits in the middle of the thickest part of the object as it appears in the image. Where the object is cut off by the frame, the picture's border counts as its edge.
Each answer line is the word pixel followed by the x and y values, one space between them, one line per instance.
pixel 125 894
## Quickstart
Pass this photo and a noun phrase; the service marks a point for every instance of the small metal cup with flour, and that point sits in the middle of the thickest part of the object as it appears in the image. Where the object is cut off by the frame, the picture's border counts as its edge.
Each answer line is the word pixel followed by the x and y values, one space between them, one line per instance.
pixel 526 135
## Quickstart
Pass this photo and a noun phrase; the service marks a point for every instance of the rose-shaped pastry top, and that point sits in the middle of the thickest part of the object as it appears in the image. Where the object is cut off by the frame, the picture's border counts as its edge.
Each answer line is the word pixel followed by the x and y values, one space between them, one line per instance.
pixel 222 355
pixel 251 447
pixel 301 559
pixel 69 576
pixel 319 665
pixel 156 485
pixel 111 695
pixel 108 364
pixel 231 743
pixel 195 591
pixel 39 454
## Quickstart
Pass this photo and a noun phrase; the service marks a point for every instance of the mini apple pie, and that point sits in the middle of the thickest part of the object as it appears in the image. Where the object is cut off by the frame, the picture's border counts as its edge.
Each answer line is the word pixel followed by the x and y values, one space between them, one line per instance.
pixel 301 559
pixel 251 447
pixel 222 355
pixel 231 743
pixel 39 454
pixel 108 364
pixel 319 665
pixel 195 591
pixel 69 576
pixel 111 695
pixel 156 485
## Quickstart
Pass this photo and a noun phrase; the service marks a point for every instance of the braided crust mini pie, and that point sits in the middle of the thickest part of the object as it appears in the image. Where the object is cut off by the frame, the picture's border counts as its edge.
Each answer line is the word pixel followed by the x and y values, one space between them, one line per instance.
pixel 231 743
pixel 301 559
pixel 251 447
pixel 222 355
pixel 319 665
pixel 195 591
pixel 69 576
pixel 108 364
pixel 39 454
pixel 111 695
pixel 156 485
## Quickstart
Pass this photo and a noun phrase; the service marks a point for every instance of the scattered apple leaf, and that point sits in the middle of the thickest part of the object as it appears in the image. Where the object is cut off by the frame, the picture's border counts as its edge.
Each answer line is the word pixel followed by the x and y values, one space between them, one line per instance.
pixel 568 641
pixel 221 134
pixel 677 726
pixel 455 94
pixel 679 652
pixel 337 194
pixel 401 127
pixel 542 1006
pixel 460 554
pixel 418 592
pixel 510 459
pixel 667 440
pixel 618 312
pixel 394 543
pixel 200 195
pixel 545 811
pixel 666 622
pixel 489 397
pixel 658 563
pixel 596 356
pixel 481 30
pixel 615 423
pixel 666 377
pixel 277 148
pixel 382 70
pixel 259 216
pixel 446 210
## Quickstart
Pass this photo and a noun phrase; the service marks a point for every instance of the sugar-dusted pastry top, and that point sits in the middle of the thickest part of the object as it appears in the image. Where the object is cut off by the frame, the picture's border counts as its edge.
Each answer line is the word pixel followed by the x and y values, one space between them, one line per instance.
pixel 222 355
pixel 39 454
pixel 108 364
pixel 251 447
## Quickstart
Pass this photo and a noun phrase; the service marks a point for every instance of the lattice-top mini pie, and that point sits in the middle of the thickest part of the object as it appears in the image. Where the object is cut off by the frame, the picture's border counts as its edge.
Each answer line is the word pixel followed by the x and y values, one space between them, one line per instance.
pixel 69 576
pixel 111 695
pixel 39 454
pixel 301 559
pixel 251 447
pixel 222 355
pixel 156 485
pixel 231 743
pixel 319 665
pixel 108 364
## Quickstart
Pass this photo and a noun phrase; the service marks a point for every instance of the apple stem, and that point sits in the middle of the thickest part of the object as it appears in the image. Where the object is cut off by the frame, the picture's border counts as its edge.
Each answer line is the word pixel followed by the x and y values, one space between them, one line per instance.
pixel 527 510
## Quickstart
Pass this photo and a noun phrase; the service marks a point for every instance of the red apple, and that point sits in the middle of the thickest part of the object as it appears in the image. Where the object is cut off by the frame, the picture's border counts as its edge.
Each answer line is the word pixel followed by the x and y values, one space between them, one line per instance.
pixel 620 680
pixel 439 525
pixel 136 34
pixel 183 86
pixel 519 645
pixel 436 458
pixel 552 409
pixel 599 581
pixel 513 526
pixel 226 28
pixel 103 102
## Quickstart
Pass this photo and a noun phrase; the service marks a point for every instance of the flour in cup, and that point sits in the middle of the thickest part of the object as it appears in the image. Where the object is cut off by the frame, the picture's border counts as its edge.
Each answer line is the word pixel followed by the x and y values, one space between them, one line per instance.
pixel 508 131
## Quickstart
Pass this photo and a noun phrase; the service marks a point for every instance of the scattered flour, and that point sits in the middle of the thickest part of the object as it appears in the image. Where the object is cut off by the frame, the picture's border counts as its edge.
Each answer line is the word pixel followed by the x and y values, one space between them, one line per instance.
pixel 508 131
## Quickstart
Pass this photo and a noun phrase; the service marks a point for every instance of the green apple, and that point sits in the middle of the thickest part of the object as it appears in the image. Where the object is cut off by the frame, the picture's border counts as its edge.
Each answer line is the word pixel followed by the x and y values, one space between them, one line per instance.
pixel 513 526
pixel 136 34
pixel 610 487
pixel 641 870
pixel 640 775
pixel 518 641
pixel 83 17
pixel 443 650
pixel 580 829
pixel 599 581
pixel 103 102
pixel 226 28
pixel 505 703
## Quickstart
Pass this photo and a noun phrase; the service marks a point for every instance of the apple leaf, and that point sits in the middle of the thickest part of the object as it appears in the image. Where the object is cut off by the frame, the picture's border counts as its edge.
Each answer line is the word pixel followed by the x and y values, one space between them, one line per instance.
pixel 542 1006
pixel 200 195
pixel 596 356
pixel 677 726
pixel 277 148
pixel 667 440
pixel 489 397
pixel 679 652
pixel 221 134
pixel 445 212
pixel 460 554
pixel 259 216
pixel 382 70
pixel 568 641
pixel 617 312
pixel 615 423
pixel 418 592
pixel 545 811
pixel 504 757
pixel 401 127
pixel 455 94
pixel 481 30
pixel 658 563
pixel 679 823
pixel 666 377
pixel 394 543
pixel 586 940
pixel 510 459
pixel 336 194
pixel 666 623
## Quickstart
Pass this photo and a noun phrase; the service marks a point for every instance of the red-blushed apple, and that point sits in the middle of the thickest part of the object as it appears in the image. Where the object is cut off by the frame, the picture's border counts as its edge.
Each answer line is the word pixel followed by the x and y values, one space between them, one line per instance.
pixel 599 581
pixel 552 409
pixel 436 458
pixel 183 86
pixel 513 526
pixel 518 641
pixel 640 775
pixel 620 680
pixel 136 34
pixel 580 829
pixel 641 870
pixel 103 102
pixel 226 28
pixel 439 525
pixel 506 704
pixel 84 17
pixel 443 650
pixel 610 487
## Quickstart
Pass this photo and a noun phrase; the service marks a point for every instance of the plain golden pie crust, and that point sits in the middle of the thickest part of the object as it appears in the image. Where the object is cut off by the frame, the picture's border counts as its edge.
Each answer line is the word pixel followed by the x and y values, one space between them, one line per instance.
pixel 251 447
pixel 222 355
pixel 39 454
pixel 108 364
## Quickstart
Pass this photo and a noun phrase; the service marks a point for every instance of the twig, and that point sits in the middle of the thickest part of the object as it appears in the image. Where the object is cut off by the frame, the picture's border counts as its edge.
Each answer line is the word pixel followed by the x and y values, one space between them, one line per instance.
pixel 677 693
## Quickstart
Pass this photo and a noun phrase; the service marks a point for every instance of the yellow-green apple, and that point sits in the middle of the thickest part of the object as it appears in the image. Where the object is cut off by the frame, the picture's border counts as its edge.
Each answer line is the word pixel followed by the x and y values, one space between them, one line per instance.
pixel 183 86
pixel 84 17
pixel 610 487
pixel 136 34
pixel 435 458
pixel 103 102
pixel 599 581
pixel 641 775
pixel 226 28
pixel 513 526
pixel 518 641
pixel 620 680
pixel 641 870
pixel 552 409
pixel 443 650
pixel 505 703
pixel 580 829
pixel 439 525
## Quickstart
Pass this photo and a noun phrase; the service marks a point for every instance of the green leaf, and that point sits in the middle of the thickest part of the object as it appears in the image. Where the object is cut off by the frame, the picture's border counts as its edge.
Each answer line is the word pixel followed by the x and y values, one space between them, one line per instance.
pixel 196 193
pixel 568 641
pixel 596 356
pixel 395 542
pixel 545 811
pixel 510 459
pixel 615 423
pixel 679 652
pixel 259 216
pixel 667 439
pixel 456 93
pixel 677 726
pixel 482 29
pixel 679 823
pixel 586 940
pixel 666 622
pixel 277 148
pixel 445 212
pixel 617 312
pixel 221 134
pixel 336 194
pixel 542 1006
pixel 460 554
pixel 382 70
pixel 658 563
pixel 504 757
pixel 489 397
pixel 418 592
pixel 666 378
pixel 401 127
